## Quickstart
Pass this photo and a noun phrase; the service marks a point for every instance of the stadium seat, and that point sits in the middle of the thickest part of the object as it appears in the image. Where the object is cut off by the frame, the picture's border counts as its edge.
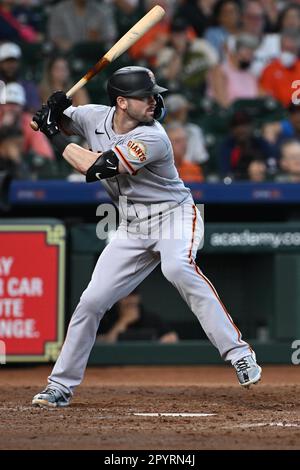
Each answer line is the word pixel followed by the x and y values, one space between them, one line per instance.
pixel 42 168
pixel 83 56
pixel 32 61
pixel 262 109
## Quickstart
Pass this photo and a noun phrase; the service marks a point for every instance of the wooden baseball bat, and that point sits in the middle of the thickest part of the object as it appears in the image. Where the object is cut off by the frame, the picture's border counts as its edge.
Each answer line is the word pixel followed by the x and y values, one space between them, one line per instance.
pixel 126 41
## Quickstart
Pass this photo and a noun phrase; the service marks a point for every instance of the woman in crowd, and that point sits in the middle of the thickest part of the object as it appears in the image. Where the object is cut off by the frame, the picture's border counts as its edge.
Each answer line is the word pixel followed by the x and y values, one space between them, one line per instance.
pixel 57 76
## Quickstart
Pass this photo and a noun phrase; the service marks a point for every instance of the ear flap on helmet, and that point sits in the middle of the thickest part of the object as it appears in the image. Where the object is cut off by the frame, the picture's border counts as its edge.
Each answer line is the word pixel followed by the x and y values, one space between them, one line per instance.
pixel 160 110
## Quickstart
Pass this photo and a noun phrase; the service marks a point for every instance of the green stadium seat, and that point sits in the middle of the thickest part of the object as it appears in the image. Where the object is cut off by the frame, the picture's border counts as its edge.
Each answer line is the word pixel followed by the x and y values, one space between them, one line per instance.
pixel 264 109
pixel 97 90
pixel 32 61
pixel 212 142
pixel 42 168
pixel 41 16
pixel 215 122
pixel 83 56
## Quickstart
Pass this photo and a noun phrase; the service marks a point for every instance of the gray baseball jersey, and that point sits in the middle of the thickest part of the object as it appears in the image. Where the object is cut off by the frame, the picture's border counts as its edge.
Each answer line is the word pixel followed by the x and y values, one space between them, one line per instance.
pixel 145 152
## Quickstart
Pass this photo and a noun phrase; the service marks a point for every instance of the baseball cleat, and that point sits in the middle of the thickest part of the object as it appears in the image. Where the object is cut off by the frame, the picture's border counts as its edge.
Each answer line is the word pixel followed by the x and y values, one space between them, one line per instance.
pixel 51 398
pixel 248 371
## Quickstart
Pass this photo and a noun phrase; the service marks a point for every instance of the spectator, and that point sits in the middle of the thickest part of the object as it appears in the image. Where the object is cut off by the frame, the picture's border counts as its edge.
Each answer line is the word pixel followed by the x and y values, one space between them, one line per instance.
pixel 188 171
pixel 12 114
pixel 11 153
pixel 128 320
pixel 56 76
pixel 257 171
pixel 289 18
pixel 26 13
pixel 125 7
pixel 146 49
pixel 253 18
pixel 277 77
pixel 126 13
pixel 185 60
pixel 197 13
pixel 178 107
pixel 233 79
pixel 277 132
pixel 10 71
pixel 290 162
pixel 254 23
pixel 242 148
pixel 11 28
pixel 271 12
pixel 290 127
pixel 85 21
pixel 226 19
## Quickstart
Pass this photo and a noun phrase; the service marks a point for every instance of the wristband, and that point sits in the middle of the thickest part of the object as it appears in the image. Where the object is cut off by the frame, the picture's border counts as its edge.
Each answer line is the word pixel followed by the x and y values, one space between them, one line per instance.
pixel 59 141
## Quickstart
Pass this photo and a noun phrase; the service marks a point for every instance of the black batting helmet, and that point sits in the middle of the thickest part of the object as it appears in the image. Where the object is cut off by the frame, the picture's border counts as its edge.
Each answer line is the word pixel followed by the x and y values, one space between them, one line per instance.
pixel 132 82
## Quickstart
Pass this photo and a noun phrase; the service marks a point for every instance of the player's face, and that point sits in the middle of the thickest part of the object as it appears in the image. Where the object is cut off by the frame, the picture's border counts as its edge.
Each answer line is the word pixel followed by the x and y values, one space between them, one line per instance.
pixel 141 109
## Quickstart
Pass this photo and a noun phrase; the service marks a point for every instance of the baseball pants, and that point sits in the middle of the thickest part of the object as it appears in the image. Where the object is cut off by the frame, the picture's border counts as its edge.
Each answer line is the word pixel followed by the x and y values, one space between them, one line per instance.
pixel 129 258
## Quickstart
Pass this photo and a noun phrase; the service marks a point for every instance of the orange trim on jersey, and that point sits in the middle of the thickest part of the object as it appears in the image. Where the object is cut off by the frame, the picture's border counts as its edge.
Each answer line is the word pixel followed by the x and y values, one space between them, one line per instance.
pixel 192 261
pixel 125 161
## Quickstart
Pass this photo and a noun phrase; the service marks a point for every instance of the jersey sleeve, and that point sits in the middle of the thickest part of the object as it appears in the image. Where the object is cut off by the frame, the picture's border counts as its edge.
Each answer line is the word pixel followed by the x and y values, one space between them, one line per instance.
pixel 78 114
pixel 138 151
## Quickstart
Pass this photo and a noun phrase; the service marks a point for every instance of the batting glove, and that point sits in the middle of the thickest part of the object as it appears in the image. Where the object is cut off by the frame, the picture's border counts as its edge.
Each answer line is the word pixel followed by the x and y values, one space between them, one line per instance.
pixel 58 102
pixel 46 122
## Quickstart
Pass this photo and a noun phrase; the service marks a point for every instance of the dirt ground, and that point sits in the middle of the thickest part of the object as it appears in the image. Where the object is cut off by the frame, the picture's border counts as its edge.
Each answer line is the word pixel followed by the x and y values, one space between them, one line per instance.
pixel 102 412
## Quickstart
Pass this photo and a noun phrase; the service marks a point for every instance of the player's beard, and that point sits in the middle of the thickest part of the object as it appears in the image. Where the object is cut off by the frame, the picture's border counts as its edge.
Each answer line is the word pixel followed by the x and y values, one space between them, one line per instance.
pixel 139 116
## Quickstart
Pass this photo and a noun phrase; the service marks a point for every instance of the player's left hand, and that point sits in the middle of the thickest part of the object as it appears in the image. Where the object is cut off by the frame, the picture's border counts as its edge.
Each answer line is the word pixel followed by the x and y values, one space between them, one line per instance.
pixel 58 102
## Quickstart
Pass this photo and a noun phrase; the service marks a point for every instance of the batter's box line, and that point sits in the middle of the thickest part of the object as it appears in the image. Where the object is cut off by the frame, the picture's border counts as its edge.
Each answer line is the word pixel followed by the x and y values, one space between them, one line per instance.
pixel 175 415
pixel 272 424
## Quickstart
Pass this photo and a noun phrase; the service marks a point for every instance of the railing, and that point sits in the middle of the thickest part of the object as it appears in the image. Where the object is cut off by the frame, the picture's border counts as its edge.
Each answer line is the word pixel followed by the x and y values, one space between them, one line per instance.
pixel 45 192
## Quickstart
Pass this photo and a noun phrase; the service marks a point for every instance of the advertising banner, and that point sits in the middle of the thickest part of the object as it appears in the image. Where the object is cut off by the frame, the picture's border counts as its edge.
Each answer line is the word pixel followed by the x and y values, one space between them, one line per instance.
pixel 32 277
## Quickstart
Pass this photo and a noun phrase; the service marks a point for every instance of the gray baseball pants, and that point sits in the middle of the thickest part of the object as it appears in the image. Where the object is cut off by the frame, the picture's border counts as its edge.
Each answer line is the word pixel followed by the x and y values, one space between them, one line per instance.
pixel 124 263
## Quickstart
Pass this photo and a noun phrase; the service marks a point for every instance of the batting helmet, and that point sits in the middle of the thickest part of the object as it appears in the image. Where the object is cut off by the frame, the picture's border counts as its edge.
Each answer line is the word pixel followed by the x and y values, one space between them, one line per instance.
pixel 132 82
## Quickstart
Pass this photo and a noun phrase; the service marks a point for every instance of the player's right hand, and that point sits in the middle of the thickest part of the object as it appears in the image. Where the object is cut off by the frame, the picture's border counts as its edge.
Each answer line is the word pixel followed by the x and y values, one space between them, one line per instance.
pixel 58 102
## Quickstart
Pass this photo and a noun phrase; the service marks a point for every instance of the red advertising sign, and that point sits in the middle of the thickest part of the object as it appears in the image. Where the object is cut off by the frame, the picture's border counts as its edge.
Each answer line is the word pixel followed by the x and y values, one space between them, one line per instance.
pixel 31 291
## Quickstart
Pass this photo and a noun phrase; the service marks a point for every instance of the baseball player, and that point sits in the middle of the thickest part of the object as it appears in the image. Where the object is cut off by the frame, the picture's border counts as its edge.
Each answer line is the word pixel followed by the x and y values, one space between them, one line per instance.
pixel 132 156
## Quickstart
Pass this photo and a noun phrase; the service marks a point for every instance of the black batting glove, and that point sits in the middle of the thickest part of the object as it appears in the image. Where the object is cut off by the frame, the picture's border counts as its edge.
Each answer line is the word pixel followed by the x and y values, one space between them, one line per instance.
pixel 41 115
pixel 58 102
pixel 46 122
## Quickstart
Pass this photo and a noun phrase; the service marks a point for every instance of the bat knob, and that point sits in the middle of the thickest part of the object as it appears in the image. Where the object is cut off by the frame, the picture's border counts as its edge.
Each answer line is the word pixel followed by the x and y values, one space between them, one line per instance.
pixel 34 126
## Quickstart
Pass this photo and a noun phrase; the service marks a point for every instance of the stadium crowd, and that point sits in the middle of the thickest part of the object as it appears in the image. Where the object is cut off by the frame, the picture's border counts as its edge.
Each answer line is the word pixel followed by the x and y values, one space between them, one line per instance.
pixel 232 68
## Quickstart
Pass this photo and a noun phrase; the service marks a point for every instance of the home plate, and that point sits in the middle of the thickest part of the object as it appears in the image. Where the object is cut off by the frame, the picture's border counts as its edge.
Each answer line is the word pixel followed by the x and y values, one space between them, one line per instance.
pixel 181 415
